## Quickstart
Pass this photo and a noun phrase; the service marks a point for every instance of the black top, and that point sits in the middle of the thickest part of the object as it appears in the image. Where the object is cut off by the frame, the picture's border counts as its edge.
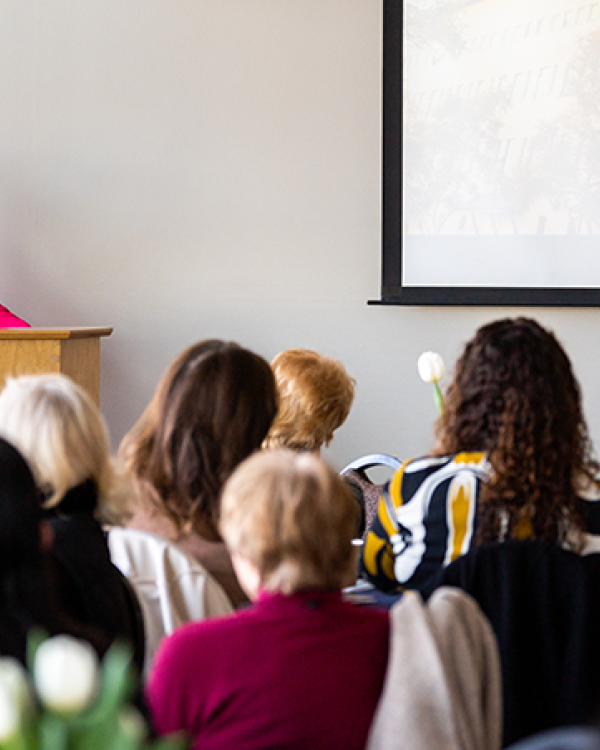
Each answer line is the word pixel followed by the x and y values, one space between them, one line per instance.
pixel 90 589
pixel 544 606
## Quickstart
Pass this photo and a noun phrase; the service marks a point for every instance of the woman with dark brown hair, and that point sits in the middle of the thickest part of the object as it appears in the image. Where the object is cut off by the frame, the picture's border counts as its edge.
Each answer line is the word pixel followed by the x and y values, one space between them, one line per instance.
pixel 513 460
pixel 212 409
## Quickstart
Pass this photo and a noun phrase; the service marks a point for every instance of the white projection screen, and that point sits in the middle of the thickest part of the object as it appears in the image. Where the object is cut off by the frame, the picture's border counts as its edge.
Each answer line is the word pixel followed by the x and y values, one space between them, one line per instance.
pixel 491 131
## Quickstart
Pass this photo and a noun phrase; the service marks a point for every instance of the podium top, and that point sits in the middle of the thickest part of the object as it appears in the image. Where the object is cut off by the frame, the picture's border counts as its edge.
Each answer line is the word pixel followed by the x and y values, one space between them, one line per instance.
pixel 53 333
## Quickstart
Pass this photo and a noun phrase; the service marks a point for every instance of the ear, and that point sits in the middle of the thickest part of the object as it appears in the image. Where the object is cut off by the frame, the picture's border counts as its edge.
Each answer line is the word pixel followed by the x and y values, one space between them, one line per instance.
pixel 46 536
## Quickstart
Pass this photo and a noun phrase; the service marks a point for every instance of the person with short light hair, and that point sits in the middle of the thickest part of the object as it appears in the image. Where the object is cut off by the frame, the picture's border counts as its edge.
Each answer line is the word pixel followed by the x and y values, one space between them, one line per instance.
pixel 269 515
pixel 27 598
pixel 58 428
pixel 300 668
pixel 55 423
pixel 315 396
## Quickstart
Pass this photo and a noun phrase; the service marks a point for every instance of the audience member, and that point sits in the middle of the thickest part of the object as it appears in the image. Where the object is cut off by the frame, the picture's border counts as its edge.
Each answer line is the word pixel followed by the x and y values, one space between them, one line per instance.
pixel 513 461
pixel 26 592
pixel 315 396
pixel 212 408
pixel 60 431
pixel 301 668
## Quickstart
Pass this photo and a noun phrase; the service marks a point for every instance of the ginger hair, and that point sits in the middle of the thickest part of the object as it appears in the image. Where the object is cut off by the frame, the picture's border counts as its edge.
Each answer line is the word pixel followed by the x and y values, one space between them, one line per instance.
pixel 315 396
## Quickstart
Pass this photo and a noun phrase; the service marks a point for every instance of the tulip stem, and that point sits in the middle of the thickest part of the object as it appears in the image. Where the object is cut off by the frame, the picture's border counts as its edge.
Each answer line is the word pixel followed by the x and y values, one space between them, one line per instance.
pixel 439 399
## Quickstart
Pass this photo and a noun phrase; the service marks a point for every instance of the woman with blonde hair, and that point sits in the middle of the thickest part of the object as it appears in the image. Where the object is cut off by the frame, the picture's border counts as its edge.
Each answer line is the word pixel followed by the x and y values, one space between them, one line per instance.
pixel 26 592
pixel 301 668
pixel 60 431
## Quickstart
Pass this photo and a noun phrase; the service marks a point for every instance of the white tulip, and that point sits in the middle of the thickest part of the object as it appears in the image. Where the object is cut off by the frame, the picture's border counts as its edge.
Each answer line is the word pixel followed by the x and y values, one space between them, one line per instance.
pixel 15 698
pixel 431 367
pixel 15 677
pixel 10 716
pixel 66 674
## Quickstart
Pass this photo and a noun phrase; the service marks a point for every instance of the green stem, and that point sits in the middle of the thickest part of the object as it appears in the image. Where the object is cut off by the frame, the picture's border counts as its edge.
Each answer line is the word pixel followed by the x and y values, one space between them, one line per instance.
pixel 439 399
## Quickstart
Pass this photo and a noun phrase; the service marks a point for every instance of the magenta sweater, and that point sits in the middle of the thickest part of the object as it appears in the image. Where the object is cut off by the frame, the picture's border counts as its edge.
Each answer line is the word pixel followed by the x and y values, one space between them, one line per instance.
pixel 8 320
pixel 299 672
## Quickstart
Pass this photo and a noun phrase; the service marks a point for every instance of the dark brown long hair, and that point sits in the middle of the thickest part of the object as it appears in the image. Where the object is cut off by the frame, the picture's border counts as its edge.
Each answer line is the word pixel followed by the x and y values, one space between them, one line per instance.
pixel 212 408
pixel 514 396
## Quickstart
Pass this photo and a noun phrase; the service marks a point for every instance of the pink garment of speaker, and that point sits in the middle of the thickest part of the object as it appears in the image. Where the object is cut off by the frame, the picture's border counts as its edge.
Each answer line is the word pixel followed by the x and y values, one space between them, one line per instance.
pixel 8 320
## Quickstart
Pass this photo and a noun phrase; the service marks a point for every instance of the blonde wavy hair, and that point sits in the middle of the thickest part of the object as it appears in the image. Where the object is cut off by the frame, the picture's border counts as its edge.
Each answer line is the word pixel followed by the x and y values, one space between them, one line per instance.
pixel 60 431
pixel 293 518
pixel 315 396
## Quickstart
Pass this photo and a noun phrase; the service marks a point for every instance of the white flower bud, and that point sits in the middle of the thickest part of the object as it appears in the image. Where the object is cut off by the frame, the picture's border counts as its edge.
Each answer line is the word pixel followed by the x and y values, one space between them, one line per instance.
pixel 10 716
pixel 15 698
pixel 15 677
pixel 431 367
pixel 66 674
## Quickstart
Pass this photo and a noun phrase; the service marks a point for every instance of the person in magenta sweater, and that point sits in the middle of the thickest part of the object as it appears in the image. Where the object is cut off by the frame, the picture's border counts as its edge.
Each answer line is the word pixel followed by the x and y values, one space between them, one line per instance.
pixel 9 320
pixel 301 668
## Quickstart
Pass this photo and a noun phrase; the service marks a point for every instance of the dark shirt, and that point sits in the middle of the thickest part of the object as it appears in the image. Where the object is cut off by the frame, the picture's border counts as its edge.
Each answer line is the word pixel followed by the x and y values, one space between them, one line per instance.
pixel 90 589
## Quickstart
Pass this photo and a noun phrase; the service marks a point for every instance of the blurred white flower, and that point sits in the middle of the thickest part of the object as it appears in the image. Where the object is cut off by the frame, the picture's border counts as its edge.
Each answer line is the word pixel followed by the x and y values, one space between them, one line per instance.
pixel 14 676
pixel 10 714
pixel 14 697
pixel 66 674
pixel 431 367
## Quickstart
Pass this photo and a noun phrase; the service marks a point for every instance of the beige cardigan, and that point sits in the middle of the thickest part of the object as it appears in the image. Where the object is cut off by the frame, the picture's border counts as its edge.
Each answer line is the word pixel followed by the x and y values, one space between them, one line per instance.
pixel 443 685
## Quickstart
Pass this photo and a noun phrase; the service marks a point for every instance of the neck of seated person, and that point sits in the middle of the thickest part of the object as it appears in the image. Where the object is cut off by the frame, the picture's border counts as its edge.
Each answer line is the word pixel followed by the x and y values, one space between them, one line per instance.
pixel 252 583
pixel 248 576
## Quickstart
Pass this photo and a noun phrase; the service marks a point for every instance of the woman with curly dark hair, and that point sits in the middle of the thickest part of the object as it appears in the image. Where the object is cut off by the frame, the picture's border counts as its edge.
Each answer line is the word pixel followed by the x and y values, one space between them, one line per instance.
pixel 212 409
pixel 513 460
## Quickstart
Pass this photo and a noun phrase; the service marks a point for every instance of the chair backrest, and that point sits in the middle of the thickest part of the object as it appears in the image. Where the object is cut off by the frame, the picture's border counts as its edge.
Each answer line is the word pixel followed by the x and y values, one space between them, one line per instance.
pixel 544 606
pixel 569 738
pixel 356 472
pixel 370 461
pixel 442 689
pixel 172 588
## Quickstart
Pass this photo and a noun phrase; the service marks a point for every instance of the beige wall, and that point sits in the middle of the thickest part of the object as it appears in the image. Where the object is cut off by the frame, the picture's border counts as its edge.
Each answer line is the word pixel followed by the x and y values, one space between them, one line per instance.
pixel 180 169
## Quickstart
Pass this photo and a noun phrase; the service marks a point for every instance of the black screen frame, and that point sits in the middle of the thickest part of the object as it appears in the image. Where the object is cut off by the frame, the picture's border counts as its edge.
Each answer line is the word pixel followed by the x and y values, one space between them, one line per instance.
pixel 392 290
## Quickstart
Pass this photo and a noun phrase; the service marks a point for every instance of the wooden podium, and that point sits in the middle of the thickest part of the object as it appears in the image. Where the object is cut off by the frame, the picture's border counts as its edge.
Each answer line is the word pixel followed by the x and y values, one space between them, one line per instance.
pixel 73 351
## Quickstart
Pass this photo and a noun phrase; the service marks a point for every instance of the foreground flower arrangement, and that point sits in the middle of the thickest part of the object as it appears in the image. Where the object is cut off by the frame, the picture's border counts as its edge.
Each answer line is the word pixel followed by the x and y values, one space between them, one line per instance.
pixel 68 701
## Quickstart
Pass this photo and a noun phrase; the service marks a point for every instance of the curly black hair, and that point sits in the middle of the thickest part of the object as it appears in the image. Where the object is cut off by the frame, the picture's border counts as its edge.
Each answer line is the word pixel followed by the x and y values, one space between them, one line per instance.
pixel 514 396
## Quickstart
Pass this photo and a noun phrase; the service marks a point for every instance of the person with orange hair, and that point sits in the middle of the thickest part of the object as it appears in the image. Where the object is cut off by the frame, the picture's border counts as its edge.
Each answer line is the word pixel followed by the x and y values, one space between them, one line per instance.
pixel 315 396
